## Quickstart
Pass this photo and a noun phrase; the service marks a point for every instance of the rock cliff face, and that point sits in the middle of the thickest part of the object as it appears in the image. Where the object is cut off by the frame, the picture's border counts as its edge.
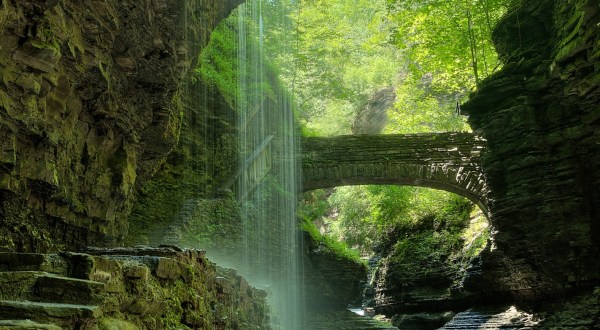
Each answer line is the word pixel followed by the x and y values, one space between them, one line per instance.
pixel 540 115
pixel 331 282
pixel 90 107
pixel 372 118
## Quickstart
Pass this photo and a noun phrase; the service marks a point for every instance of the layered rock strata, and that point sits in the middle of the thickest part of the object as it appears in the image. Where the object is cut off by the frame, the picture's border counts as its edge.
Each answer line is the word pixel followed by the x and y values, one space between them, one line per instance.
pixel 541 118
pixel 90 108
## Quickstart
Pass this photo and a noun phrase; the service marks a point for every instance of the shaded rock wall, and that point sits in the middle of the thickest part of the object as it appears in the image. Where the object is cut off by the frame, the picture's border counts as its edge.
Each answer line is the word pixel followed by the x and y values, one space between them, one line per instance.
pixel 419 268
pixel 204 159
pixel 331 281
pixel 540 115
pixel 89 110
pixel 207 154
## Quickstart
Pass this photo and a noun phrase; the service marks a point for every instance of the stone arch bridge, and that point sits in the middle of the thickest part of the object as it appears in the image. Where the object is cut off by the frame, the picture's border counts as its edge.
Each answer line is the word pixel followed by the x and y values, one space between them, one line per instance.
pixel 446 161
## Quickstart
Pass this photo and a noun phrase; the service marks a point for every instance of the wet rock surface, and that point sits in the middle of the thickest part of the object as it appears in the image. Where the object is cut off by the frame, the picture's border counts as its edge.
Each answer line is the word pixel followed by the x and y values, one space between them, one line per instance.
pixel 137 288
pixel 492 318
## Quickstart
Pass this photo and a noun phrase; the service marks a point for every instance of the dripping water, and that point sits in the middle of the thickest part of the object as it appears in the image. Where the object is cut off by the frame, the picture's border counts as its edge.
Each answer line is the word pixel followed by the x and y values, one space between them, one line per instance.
pixel 267 187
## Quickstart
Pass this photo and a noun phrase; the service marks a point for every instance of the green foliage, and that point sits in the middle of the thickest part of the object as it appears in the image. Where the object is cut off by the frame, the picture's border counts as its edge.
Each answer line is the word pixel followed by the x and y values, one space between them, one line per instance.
pixel 339 58
pixel 448 49
pixel 217 65
pixel 314 205
pixel 434 52
pixel 439 36
pixel 426 252
pixel 418 111
pixel 233 63
pixel 361 215
pixel 420 232
pixel 326 244
pixel 440 244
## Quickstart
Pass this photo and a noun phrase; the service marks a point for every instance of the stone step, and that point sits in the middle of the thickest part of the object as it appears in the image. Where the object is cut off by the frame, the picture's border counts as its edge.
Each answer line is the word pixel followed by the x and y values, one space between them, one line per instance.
pixel 51 263
pixel 43 312
pixel 344 320
pixel 501 318
pixel 18 285
pixel 43 286
pixel 71 264
pixel 51 287
pixel 26 325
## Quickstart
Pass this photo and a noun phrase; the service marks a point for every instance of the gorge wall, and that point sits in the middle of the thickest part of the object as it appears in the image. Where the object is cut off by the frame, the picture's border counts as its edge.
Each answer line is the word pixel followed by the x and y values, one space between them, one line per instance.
pixel 90 107
pixel 540 115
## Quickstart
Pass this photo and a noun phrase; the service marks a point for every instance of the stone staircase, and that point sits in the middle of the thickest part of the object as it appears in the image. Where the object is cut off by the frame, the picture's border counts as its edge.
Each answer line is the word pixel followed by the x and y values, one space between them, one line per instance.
pixel 344 320
pixel 508 318
pixel 126 289
pixel 48 291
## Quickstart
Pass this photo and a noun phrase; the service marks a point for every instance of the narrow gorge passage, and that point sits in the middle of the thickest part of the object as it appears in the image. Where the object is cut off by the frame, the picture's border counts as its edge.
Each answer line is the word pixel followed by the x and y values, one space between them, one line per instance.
pixel 267 164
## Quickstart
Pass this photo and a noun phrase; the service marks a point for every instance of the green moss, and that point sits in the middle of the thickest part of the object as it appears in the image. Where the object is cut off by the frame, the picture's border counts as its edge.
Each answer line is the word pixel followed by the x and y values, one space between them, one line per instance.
pixel 61 27
pixel 173 130
pixel 328 245
pixel 426 253
pixel 172 318
pixel 440 244
pixel 105 70
pixel 214 224
pixel 161 199
pixel 109 323
pixel 7 102
pixel 217 64
pixel 219 68
pixel 8 14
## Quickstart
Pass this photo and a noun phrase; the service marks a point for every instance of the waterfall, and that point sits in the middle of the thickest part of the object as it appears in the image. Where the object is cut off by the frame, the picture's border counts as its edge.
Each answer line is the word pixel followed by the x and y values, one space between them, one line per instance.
pixel 268 178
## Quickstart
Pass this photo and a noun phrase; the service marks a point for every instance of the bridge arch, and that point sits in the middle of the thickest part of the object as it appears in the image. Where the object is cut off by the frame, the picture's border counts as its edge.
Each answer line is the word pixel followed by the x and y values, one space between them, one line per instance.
pixel 446 161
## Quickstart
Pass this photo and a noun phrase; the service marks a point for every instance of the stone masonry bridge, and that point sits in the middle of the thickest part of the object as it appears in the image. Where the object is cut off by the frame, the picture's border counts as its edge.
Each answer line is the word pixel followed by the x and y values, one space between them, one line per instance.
pixel 446 161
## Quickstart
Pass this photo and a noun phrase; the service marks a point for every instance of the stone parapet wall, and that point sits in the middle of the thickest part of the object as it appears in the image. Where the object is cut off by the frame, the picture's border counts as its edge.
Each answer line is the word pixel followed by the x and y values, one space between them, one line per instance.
pixel 447 161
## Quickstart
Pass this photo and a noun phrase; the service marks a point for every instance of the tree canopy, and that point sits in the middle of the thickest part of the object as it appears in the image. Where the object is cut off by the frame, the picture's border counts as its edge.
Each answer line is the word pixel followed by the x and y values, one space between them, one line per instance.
pixel 432 52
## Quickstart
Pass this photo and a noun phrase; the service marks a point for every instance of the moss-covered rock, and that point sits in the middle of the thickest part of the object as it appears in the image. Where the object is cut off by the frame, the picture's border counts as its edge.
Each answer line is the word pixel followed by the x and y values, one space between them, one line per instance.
pixel 90 107
pixel 141 288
